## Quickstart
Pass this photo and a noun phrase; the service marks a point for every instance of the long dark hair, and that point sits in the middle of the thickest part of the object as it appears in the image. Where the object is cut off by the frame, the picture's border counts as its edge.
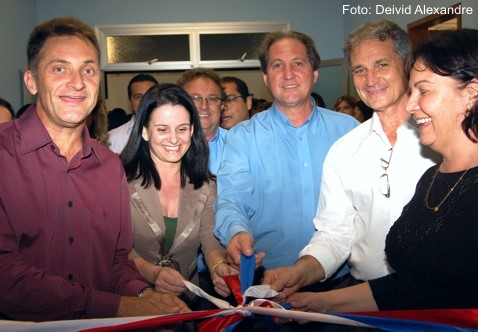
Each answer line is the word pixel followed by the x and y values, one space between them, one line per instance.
pixel 136 155
pixel 453 54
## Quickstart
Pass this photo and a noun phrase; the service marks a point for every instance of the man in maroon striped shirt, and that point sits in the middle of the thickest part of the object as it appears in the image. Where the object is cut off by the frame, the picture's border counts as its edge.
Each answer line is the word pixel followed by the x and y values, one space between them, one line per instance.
pixel 65 222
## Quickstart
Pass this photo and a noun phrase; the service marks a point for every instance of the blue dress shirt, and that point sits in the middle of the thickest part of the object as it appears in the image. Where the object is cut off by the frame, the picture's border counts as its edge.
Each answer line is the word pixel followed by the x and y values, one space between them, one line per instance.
pixel 269 180
pixel 216 145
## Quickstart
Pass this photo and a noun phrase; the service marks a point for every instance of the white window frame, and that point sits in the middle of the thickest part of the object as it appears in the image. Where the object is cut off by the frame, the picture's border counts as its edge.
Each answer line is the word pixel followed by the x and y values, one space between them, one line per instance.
pixel 194 30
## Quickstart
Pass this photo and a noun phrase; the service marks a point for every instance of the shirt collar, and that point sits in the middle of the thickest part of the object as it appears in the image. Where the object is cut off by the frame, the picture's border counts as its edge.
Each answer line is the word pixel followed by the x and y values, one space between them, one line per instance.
pixel 219 132
pixel 376 127
pixel 284 120
pixel 35 136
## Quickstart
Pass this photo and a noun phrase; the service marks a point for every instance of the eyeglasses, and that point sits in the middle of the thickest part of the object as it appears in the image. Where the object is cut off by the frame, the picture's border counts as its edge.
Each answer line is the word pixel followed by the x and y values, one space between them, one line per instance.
pixel 384 182
pixel 213 100
pixel 230 99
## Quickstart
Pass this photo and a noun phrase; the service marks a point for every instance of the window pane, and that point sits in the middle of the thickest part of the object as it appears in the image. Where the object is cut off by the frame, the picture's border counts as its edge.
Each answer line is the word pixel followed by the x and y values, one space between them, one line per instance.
pixel 127 49
pixel 230 46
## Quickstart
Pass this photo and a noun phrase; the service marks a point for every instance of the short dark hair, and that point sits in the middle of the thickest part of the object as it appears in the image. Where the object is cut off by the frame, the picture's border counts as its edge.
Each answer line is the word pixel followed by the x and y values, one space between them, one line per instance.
pixel 452 54
pixel 140 78
pixel 57 27
pixel 318 99
pixel 271 38
pixel 136 156
pixel 241 86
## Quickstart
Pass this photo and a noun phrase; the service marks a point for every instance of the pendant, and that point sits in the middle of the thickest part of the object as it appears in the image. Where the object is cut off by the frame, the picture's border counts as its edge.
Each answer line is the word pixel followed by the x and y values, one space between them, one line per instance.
pixel 436 208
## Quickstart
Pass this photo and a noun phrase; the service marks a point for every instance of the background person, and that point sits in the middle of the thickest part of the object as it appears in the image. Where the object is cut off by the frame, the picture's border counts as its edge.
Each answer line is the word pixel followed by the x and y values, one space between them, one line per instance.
pixel 204 87
pixel 318 99
pixel 348 105
pixel 367 112
pixel 6 111
pixel 117 117
pixel 137 87
pixel 237 102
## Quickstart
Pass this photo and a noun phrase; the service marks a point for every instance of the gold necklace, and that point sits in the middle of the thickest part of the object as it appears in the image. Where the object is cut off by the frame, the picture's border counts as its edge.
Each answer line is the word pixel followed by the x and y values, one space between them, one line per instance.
pixel 436 208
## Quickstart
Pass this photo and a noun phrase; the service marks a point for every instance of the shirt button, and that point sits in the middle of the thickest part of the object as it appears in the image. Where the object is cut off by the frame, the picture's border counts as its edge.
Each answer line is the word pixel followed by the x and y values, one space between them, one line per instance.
pixel 70 239
pixel 70 203
pixel 70 277
pixel 52 147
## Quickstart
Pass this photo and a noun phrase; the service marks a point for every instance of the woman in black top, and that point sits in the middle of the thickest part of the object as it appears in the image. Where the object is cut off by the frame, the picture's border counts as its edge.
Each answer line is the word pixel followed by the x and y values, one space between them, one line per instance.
pixel 433 246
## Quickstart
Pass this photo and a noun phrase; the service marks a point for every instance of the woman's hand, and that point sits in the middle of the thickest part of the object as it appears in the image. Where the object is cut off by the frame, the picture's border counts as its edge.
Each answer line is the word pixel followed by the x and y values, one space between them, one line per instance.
pixel 219 270
pixel 168 280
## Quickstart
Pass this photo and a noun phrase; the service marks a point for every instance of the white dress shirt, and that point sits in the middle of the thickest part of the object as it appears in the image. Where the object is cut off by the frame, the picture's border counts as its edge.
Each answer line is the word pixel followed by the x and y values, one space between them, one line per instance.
pixel 353 216
pixel 118 137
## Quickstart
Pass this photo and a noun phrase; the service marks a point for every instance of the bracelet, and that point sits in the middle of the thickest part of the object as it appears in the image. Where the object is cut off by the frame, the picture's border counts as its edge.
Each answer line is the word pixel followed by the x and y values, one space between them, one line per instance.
pixel 216 265
pixel 141 292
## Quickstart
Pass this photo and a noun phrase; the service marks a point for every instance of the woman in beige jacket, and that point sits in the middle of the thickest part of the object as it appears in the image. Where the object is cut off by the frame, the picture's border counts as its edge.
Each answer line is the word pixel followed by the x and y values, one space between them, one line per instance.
pixel 172 193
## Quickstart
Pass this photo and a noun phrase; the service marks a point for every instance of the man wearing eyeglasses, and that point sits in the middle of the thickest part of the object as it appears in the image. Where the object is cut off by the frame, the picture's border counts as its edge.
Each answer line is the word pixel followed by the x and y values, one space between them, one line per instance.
pixel 369 174
pixel 269 179
pixel 237 103
pixel 204 87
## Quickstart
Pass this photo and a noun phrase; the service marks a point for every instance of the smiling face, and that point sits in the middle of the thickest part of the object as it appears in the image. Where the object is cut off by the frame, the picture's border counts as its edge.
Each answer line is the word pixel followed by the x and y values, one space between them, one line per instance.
pixel 67 82
pixel 289 76
pixel 378 74
pixel 168 134
pixel 209 113
pixel 438 106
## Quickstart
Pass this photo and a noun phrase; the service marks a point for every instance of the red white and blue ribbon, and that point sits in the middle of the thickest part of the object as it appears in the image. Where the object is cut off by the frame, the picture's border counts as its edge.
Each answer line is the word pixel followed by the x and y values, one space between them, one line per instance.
pixel 226 318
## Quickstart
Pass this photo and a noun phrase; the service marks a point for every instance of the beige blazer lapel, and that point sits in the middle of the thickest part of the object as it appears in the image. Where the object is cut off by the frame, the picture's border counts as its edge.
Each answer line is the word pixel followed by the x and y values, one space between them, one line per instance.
pixel 150 207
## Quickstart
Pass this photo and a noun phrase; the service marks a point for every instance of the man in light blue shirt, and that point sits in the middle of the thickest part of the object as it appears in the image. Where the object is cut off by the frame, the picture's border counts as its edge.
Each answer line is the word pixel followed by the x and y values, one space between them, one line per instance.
pixel 270 174
pixel 216 145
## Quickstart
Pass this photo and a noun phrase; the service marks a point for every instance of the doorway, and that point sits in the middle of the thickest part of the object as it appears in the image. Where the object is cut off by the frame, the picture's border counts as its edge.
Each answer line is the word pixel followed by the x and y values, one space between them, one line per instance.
pixel 422 29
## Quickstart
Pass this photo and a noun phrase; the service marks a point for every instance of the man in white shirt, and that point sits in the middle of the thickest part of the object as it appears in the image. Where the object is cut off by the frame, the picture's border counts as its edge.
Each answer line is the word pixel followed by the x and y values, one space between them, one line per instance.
pixel 369 174
pixel 137 87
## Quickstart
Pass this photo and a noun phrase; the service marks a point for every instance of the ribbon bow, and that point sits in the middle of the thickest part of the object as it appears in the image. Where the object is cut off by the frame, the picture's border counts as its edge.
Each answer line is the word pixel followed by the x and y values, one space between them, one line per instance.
pixel 242 291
